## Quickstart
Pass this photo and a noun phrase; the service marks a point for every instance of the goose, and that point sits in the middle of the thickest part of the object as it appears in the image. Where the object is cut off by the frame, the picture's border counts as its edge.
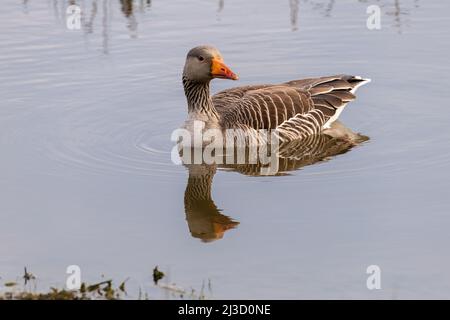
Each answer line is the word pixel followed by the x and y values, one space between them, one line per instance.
pixel 291 110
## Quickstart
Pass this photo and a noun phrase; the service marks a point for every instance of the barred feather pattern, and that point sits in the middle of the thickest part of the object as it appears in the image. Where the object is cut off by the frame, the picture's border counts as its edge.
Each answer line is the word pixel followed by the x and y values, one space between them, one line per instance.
pixel 199 99
pixel 294 110
pixel 295 154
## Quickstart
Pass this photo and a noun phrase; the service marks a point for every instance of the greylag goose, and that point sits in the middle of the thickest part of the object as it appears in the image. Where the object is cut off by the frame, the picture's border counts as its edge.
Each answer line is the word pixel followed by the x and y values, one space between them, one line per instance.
pixel 292 110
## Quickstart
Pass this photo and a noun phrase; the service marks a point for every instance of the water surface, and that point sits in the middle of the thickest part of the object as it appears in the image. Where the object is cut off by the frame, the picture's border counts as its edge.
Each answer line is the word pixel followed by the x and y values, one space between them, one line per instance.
pixel 86 176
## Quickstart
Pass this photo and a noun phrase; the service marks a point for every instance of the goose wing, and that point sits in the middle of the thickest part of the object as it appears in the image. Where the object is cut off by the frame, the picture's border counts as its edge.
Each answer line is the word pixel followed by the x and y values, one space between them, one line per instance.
pixel 294 109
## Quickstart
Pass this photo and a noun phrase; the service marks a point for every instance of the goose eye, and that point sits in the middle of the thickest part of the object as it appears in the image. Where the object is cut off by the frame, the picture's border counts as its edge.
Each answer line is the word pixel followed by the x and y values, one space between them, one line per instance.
pixel 201 58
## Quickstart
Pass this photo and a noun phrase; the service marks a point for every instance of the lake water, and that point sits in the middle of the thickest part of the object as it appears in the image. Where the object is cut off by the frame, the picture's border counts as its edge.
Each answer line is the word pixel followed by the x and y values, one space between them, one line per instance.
pixel 86 176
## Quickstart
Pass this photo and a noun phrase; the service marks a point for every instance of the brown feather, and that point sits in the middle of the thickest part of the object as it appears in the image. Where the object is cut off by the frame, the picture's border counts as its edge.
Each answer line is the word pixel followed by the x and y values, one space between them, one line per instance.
pixel 269 106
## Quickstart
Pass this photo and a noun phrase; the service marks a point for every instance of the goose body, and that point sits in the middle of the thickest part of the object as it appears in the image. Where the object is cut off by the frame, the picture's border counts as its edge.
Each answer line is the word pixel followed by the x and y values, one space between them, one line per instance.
pixel 292 110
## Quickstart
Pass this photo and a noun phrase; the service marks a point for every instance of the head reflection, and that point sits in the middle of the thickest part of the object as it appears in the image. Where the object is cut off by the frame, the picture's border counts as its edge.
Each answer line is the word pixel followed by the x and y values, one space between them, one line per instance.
pixel 204 219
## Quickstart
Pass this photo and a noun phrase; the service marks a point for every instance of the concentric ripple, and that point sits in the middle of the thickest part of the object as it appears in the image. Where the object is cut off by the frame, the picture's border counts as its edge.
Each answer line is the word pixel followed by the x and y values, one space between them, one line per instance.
pixel 95 140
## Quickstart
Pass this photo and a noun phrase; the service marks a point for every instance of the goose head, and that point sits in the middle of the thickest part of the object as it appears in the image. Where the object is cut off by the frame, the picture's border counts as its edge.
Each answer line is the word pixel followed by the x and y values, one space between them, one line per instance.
pixel 205 63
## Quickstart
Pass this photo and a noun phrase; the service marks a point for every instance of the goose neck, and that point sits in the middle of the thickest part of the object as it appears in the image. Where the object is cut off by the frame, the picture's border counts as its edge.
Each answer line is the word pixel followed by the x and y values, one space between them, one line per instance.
pixel 199 98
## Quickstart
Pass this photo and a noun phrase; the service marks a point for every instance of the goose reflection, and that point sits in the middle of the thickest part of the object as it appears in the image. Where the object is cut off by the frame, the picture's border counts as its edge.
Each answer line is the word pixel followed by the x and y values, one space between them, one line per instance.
pixel 207 222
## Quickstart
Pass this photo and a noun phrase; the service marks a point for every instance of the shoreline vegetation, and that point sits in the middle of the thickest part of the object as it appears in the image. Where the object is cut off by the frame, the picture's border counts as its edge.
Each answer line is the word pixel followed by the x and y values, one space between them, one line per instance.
pixel 25 289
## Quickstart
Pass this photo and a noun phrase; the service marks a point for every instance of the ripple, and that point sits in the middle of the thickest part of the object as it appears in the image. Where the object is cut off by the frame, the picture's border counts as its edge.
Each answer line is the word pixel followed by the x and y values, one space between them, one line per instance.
pixel 111 140
pixel 103 140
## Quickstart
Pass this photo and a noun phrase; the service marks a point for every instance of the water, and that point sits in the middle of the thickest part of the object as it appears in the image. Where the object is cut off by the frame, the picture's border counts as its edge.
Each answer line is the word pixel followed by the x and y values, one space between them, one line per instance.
pixel 85 170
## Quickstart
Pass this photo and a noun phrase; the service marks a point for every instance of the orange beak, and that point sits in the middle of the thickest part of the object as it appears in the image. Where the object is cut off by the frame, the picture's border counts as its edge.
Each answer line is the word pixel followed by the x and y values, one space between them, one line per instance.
pixel 220 70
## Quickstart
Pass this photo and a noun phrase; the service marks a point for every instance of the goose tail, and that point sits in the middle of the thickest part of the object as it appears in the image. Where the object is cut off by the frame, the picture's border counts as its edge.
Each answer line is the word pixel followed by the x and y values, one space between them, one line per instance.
pixel 358 81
